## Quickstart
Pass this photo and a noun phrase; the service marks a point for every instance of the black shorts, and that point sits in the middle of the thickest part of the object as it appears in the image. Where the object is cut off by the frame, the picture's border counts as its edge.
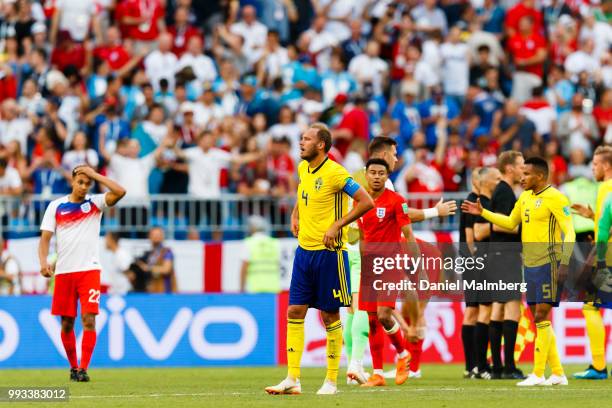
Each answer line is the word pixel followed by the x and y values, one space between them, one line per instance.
pixel 505 266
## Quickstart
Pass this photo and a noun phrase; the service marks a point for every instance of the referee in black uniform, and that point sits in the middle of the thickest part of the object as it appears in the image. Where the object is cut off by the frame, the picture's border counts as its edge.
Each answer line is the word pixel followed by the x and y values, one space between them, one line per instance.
pixel 504 263
pixel 466 250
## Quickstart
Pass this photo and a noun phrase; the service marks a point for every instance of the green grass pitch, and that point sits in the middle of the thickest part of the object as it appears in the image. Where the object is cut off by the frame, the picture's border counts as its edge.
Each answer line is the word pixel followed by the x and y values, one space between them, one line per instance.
pixel 441 386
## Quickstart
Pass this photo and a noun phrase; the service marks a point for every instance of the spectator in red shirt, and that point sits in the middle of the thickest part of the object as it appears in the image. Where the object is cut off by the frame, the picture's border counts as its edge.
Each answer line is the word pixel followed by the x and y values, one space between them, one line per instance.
pixel 556 163
pixel 141 21
pixel 282 166
pixel 528 50
pixel 8 84
pixel 522 9
pixel 182 31
pixel 353 125
pixel 423 174
pixel 112 51
pixel 68 53
pixel 603 116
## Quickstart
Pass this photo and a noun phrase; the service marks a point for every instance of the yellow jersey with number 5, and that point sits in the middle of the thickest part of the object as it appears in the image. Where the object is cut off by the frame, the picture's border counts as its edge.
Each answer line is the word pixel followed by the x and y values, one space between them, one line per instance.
pixel 321 202
pixel 543 216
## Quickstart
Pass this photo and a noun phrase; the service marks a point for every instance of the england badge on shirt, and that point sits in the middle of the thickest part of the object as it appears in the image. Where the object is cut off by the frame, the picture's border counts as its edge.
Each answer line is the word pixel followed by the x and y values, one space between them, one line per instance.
pixel 380 213
pixel 86 207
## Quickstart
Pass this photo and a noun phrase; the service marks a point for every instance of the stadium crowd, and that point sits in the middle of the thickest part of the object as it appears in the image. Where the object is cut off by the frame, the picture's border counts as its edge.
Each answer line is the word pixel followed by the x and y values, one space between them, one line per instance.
pixel 205 97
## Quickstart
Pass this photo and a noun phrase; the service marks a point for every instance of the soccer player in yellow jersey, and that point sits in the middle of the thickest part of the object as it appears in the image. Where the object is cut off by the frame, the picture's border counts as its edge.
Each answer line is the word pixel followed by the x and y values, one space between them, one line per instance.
pixel 602 171
pixel 544 214
pixel 320 268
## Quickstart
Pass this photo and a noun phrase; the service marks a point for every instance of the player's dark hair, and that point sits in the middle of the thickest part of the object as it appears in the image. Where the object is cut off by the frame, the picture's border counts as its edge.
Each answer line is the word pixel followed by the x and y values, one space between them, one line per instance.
pixel 379 144
pixel 507 158
pixel 605 152
pixel 539 164
pixel 3 163
pixel 74 171
pixel 380 162
pixel 323 134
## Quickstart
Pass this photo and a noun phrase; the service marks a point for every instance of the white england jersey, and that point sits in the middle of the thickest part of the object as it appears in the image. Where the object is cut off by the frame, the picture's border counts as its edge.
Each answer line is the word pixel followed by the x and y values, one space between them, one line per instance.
pixel 77 229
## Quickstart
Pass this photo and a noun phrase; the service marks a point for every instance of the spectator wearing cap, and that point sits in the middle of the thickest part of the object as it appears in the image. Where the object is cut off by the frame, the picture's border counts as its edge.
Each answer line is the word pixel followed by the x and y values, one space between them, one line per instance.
pixel 577 128
pixel 428 17
pixel 435 108
pixel 202 65
pixel 406 114
pixel 261 256
pixel 252 32
pixel 39 37
pixel 528 50
pixel 161 63
pixel 75 17
pixel 189 130
pixel 369 69
pixel 182 31
pixel 13 126
pixel 336 80
pixel 141 21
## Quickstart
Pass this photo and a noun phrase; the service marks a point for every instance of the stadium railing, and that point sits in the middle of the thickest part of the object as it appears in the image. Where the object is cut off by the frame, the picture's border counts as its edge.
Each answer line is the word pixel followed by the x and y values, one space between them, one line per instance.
pixel 179 214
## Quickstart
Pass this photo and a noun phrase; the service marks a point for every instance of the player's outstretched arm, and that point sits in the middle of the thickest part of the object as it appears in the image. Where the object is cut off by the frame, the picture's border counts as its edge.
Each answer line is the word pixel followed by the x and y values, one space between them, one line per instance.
pixel 362 203
pixel 584 210
pixel 43 253
pixel 441 209
pixel 505 221
pixel 116 192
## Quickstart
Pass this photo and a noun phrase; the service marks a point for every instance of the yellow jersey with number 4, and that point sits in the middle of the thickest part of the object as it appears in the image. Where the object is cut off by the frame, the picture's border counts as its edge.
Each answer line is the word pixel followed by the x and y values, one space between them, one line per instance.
pixel 544 217
pixel 321 202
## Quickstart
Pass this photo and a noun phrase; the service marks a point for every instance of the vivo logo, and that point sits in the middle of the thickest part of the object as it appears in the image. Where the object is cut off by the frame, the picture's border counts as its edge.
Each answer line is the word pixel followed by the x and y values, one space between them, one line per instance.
pixel 117 319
